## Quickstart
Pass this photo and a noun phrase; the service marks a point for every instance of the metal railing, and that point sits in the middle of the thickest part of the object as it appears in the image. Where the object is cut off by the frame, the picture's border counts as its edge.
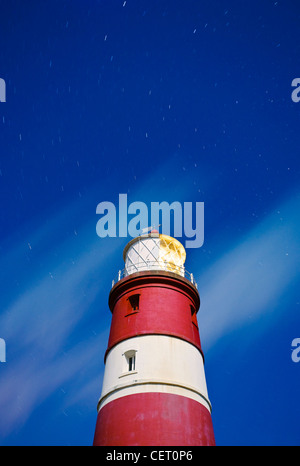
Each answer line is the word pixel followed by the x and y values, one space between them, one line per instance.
pixel 154 265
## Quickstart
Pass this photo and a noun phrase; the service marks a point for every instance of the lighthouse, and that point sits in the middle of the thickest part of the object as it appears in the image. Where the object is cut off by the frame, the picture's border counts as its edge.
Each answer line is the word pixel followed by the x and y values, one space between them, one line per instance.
pixel 154 389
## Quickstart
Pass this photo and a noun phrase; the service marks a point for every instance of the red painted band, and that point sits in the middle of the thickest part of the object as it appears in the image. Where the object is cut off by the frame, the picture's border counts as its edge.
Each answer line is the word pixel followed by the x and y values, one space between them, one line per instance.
pixel 167 306
pixel 154 419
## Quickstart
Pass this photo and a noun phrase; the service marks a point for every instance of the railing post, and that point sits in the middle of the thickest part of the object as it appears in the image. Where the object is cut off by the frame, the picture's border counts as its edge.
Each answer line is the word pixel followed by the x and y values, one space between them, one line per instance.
pixel 192 278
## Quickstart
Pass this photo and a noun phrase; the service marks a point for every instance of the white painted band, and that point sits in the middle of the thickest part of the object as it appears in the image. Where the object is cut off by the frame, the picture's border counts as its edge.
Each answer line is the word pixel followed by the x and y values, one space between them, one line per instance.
pixel 161 364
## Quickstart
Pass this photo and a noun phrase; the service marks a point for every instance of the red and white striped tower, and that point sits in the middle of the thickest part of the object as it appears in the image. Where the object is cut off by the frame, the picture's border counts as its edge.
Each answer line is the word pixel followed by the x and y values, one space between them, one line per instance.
pixel 154 389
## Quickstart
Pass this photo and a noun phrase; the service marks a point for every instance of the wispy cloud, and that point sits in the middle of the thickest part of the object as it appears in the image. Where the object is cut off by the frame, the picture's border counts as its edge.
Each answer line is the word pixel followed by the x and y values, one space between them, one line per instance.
pixel 43 326
pixel 250 277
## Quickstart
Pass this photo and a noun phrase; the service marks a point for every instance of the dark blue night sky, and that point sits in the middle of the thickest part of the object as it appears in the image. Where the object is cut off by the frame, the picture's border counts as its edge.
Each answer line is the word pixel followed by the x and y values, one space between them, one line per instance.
pixel 164 100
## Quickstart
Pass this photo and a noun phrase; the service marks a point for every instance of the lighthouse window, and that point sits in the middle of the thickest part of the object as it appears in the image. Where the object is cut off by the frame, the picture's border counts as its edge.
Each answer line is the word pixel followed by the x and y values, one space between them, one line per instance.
pixel 129 361
pixel 194 316
pixel 134 301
